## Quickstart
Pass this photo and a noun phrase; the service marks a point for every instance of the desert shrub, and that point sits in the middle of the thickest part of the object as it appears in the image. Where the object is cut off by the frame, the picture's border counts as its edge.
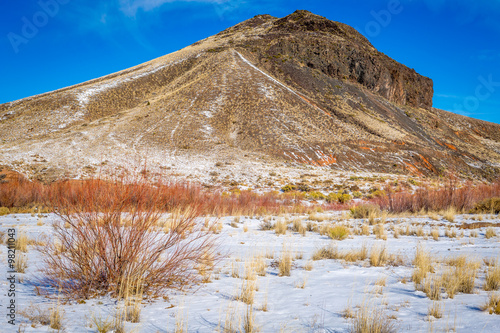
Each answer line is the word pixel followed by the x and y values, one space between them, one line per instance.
pixel 490 232
pixel 338 232
pixel 487 206
pixel 493 304
pixel 289 188
pixel 107 241
pixel 371 319
pixel 364 211
pixel 461 197
pixel 492 278
pixel 316 195
pixel 4 211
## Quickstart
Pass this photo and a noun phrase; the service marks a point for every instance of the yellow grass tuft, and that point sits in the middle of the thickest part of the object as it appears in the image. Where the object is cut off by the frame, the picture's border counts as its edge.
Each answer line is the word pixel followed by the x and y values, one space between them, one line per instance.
pixel 285 261
pixel 378 256
pixel 492 304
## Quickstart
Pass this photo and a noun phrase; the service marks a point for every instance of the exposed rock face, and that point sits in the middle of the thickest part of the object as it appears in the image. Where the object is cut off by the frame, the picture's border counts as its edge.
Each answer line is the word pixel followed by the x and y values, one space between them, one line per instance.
pixel 341 52
pixel 300 90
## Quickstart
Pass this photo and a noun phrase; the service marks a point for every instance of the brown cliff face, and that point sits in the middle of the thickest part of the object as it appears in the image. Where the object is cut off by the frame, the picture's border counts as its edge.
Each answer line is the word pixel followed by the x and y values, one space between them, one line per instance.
pixel 340 52
pixel 300 90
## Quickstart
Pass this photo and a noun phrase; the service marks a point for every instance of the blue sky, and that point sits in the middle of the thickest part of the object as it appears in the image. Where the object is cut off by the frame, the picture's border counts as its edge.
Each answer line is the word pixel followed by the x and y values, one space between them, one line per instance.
pixel 51 44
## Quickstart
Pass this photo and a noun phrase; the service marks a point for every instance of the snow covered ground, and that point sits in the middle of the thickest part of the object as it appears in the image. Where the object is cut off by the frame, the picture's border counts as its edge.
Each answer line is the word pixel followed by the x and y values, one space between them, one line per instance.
pixel 314 298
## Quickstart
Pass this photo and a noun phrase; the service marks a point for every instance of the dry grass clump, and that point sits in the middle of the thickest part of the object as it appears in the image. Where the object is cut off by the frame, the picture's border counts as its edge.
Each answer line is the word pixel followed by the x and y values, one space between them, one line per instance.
pixel 4 211
pixel 488 206
pixel 490 233
pixel 266 224
pixel 46 316
pixel 365 229
pixel 378 256
pixel 365 211
pixel 379 231
pixel 308 266
pixel 492 304
pixel 435 310
pixel 450 214
pixel 435 234
pixel 21 243
pixel 396 232
pixel 492 277
pixel 102 325
pixel 371 319
pixel 328 252
pixel 317 217
pixel 285 261
pixel 432 287
pixel 423 265
pixel 433 216
pixel 247 291
pixel 109 240
pixel 450 232
pixel 249 324
pixel 298 226
pixel 36 315
pixel 21 263
pixel 280 227
pixel 338 232
pixel 464 271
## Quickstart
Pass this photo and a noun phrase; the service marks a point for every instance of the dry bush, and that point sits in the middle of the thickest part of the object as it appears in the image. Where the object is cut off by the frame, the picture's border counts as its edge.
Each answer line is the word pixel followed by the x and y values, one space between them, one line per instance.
pixel 488 206
pixel 249 324
pixel 435 234
pixel 492 277
pixel 450 232
pixel 397 232
pixel 302 283
pixel 309 266
pixel 285 261
pixel 247 291
pixel 327 252
pixel 47 316
pixel 449 214
pixel 113 238
pixel 280 227
pixel 317 217
pixel 365 211
pixel 464 272
pixel 371 319
pixel 36 315
pixel 379 231
pixel 21 243
pixel 435 310
pixel 4 211
pixel 298 226
pixel 433 216
pixel 56 317
pixel 21 263
pixel 378 256
pixel 423 265
pixel 490 233
pixel 102 325
pixel 493 304
pixel 338 232
pixel 432 287
pixel 365 230
pixel 460 198
pixel 266 224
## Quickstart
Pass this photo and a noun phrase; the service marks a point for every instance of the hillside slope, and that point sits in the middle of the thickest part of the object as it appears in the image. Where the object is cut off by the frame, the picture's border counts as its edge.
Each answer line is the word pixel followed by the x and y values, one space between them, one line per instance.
pixel 299 90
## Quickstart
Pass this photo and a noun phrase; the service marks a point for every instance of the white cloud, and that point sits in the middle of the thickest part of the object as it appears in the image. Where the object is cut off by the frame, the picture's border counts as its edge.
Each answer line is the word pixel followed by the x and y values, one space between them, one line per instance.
pixel 130 7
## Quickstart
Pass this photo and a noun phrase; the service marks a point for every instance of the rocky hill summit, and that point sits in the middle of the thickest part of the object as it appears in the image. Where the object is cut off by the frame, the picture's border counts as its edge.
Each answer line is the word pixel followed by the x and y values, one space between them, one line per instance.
pixel 293 92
